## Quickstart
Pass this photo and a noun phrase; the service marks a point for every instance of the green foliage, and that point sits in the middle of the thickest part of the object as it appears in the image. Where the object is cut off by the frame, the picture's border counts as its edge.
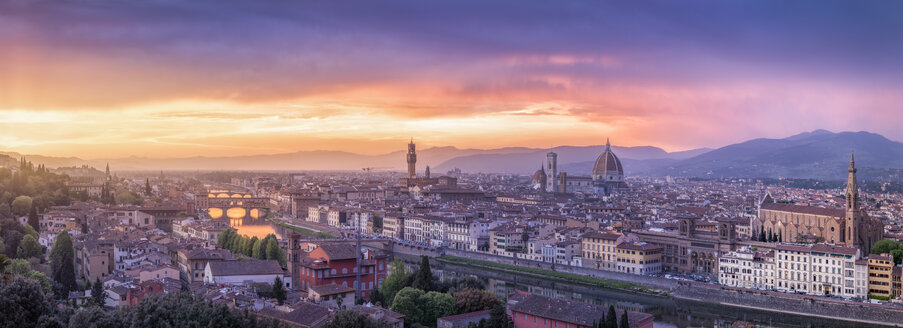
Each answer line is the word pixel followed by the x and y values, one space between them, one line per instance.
pixel 21 268
pixel 22 301
pixel 128 197
pixel 302 231
pixel 472 300
pixel 249 247
pixel 398 275
pixel 29 247
pixel 21 205
pixel 878 297
pixel 625 322
pixel 894 248
pixel 547 273
pixel 423 307
pixel 352 318
pixel 170 310
pixel 423 279
pixel 33 219
pixel 98 295
pixel 279 290
pixel 498 318
pixel 62 263
pixel 611 319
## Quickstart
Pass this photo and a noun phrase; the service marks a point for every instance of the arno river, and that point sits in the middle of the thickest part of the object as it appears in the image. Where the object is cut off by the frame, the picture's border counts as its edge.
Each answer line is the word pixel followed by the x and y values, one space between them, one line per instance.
pixel 668 312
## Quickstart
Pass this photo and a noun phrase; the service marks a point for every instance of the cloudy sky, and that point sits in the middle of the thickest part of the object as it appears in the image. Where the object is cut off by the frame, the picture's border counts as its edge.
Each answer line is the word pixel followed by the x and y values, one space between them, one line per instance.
pixel 182 78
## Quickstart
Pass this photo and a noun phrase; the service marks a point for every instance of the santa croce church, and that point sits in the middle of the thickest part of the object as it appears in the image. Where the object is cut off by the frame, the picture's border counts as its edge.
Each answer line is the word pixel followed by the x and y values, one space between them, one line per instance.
pixel 850 225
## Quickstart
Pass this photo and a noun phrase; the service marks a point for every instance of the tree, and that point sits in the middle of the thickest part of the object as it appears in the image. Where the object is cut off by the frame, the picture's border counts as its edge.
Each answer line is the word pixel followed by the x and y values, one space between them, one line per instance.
pixel 147 187
pixel 225 237
pixel 29 247
pixel 4 263
pixel 258 251
pixel 279 290
pixel 437 305
pixel 611 319
pixel 781 236
pixel 762 235
pixel 894 248
pixel 62 260
pixel 273 249
pixel 23 302
pixel 472 300
pixel 498 318
pixel 353 318
pixel 398 274
pixel 376 297
pixel 249 248
pixel 408 302
pixel 625 322
pixel 21 205
pixel 33 218
pixel 97 293
pixel 423 279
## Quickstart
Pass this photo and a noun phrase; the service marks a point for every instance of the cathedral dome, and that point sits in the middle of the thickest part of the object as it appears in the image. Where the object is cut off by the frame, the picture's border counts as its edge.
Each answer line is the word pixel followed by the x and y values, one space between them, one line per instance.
pixel 608 166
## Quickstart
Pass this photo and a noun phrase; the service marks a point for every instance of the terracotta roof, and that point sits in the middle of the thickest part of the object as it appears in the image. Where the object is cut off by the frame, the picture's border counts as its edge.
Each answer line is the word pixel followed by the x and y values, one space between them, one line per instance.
pixel 339 251
pixel 825 248
pixel 600 235
pixel 331 289
pixel 243 268
pixel 824 211
pixel 304 315
pixel 564 310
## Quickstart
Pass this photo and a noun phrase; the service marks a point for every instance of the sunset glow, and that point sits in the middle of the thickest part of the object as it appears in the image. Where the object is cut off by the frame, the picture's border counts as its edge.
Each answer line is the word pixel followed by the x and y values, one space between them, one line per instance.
pixel 189 78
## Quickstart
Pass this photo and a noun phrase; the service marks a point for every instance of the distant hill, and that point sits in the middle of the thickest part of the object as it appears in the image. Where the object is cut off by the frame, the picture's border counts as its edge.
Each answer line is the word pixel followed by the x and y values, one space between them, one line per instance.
pixel 571 159
pixel 818 154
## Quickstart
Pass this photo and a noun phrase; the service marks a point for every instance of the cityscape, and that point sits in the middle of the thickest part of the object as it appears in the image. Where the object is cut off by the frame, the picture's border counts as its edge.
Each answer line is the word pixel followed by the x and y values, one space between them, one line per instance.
pixel 511 164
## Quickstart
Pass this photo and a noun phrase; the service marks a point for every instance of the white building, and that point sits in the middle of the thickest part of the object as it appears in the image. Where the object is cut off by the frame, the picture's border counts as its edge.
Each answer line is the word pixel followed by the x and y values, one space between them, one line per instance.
pixel 413 229
pixel 819 269
pixel 243 272
pixel 747 269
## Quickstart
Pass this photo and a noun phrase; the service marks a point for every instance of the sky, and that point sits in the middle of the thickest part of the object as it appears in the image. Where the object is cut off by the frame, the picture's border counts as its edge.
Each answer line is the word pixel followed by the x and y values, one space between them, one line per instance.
pixel 175 78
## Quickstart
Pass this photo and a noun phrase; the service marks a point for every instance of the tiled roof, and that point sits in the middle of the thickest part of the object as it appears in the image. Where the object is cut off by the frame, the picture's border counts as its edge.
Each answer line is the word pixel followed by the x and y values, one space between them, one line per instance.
pixel 339 251
pixel 304 315
pixel 243 268
pixel 564 310
pixel 824 211
pixel 331 289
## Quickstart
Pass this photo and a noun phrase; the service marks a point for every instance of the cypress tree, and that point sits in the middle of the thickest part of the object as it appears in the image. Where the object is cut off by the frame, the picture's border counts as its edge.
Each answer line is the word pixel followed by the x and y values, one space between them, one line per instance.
pixel 147 187
pixel 33 218
pixel 424 278
pixel 62 257
pixel 279 290
pixel 611 320
pixel 97 293
pixel 625 322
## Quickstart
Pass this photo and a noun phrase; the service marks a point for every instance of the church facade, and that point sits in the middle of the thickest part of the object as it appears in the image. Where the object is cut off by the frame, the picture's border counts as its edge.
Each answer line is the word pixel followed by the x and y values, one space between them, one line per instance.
pixel 850 225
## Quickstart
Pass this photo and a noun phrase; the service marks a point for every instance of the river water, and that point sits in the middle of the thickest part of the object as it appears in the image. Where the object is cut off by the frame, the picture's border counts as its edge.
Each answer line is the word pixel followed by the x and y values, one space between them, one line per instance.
pixel 668 312
pixel 259 228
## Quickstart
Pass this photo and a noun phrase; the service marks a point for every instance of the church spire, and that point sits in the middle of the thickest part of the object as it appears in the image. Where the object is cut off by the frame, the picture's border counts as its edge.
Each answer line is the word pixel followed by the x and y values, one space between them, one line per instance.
pixel 607 144
pixel 852 193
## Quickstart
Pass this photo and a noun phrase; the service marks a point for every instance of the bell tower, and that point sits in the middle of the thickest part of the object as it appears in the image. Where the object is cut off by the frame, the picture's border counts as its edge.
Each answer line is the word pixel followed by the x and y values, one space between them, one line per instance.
pixel 412 160
pixel 552 172
pixel 293 258
pixel 853 219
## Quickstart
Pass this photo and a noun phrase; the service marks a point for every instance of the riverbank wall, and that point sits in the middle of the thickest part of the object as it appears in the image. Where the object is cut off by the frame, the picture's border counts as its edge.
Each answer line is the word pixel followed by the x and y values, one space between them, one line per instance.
pixel 791 303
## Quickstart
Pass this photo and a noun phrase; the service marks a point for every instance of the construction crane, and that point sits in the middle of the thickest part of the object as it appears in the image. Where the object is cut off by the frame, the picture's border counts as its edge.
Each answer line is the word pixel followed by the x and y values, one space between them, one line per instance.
pixel 368 169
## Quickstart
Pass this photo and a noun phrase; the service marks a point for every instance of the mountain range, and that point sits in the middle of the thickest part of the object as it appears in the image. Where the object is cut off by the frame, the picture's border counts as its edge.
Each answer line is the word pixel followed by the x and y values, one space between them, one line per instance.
pixel 817 154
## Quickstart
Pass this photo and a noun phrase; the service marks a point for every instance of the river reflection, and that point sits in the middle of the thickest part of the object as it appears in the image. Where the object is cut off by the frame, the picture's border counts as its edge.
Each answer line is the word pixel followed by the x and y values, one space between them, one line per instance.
pixel 255 227
pixel 668 312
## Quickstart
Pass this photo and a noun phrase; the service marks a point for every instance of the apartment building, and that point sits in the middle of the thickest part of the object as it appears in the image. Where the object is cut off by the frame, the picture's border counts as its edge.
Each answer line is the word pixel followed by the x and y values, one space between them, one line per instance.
pixel 880 269
pixel 393 227
pixel 638 258
pixel 413 229
pixel 819 269
pixel 599 249
pixel 747 269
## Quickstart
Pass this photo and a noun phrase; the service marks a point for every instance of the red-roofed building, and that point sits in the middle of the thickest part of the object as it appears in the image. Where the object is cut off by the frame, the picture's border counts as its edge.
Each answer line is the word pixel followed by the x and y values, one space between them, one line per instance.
pixel 337 264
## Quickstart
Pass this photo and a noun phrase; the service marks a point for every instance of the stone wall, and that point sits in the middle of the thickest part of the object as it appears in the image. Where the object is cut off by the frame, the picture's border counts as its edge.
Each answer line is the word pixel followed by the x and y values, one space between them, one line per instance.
pixel 792 303
pixel 649 281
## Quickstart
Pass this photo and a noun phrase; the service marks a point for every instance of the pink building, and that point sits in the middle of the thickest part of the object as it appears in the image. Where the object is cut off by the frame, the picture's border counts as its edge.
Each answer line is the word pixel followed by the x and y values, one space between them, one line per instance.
pixel 535 311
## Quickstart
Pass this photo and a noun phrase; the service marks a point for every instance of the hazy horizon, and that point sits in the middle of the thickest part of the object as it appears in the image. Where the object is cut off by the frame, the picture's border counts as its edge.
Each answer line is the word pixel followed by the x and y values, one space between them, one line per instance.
pixel 209 78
